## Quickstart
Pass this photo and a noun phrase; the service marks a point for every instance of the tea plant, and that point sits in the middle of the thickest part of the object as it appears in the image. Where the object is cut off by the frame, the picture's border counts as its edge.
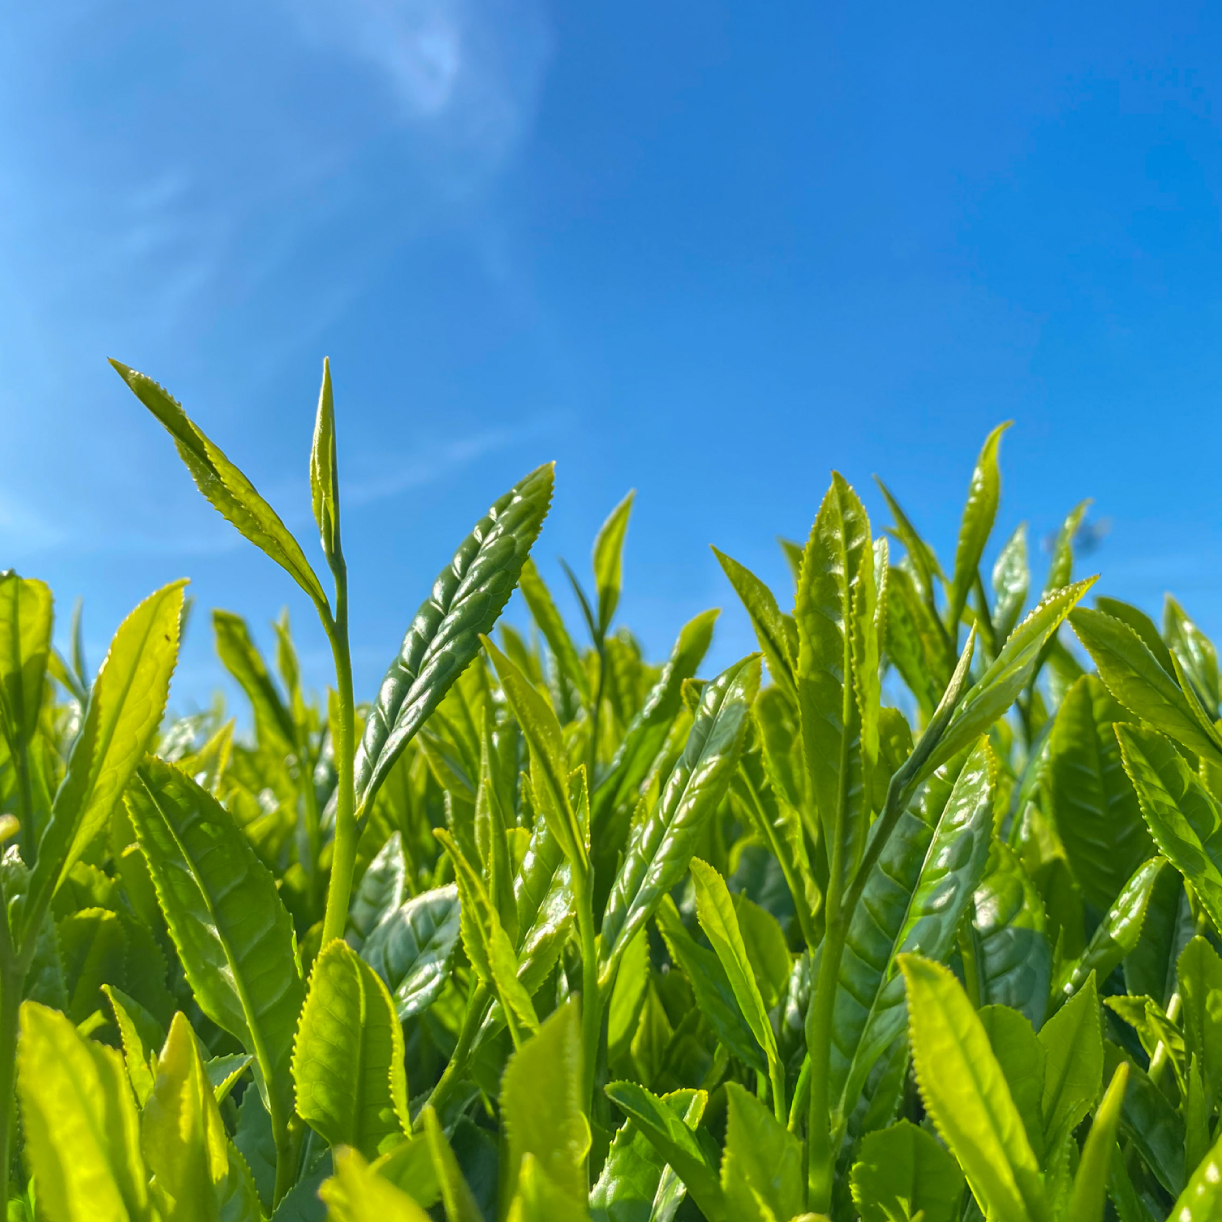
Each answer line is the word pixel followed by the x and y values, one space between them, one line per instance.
pixel 924 926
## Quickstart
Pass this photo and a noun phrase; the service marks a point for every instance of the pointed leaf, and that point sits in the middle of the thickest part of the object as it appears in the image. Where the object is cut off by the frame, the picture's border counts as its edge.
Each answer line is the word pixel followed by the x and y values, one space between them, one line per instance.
pixel 772 627
pixel 541 1105
pixel 663 845
pixel 233 934
pixel 608 561
pixel 1073 1069
pixel 357 1193
pixel 468 596
pixel 1090 1183
pixel 229 491
pixel 1133 675
pixel 82 1134
pixel 324 470
pixel 125 707
pixel 966 1094
pixel 413 947
pixel 348 1056
pixel 763 1167
pixel 983 496
pixel 25 645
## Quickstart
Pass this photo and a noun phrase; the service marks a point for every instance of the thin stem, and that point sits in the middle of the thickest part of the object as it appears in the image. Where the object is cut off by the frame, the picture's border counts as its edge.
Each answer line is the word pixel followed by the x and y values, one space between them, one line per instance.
pixel 820 1157
pixel 13 968
pixel 343 851
pixel 776 1079
pixel 477 1004
pixel 591 1002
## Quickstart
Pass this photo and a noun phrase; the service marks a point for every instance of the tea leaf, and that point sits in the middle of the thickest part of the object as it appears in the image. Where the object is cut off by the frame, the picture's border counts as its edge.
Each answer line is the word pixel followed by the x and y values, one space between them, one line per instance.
pixel 1090 1183
pixel 25 646
pixel 229 926
pixel 324 471
pixel 904 1171
pixel 356 1193
pixel 1131 673
pixel 664 844
pixel 82 1131
pixel 125 707
pixel 198 1174
pixel 608 561
pixel 983 495
pixel 468 596
pixel 229 491
pixel 966 1094
pixel 348 1056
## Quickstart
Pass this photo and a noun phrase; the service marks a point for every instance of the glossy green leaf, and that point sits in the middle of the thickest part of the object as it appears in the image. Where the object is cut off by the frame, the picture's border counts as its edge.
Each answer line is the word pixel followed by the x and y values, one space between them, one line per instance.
pixel 920 555
pixel 125 707
pixel 231 930
pixel 1011 581
pixel 348 1056
pixel 902 1172
pixel 837 570
pixel 229 491
pixel 1117 935
pixel 914 901
pixel 636 1180
pixel 1093 801
pixel 1195 654
pixel 380 892
pixel 1073 1067
pixel 549 769
pixel 141 1037
pixel 773 629
pixel 460 1205
pixel 543 612
pixel 663 845
pixel 608 561
pixel 1012 953
pixel 1153 1127
pixel 324 470
pixel 234 647
pixel 488 946
pixel 25 645
pixel 444 637
pixel 990 697
pixel 677 1143
pixel 356 1193
pixel 412 949
pixel 762 1169
pixel 1090 1182
pixel 1060 564
pixel 1182 815
pixel 983 496
pixel 1022 1058
pixel 199 1176
pixel 82 1133
pixel 712 988
pixel 715 910
pixel 1134 676
pixel 966 1094
pixel 1201 1200
pixel 1141 624
pixel 541 1105
pixel 1200 985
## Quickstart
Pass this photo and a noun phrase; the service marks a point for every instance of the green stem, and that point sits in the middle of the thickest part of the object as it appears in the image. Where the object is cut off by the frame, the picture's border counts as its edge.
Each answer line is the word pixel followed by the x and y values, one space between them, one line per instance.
pixel 477 1005
pixel 820 1157
pixel 776 1079
pixel 343 850
pixel 591 1001
pixel 12 977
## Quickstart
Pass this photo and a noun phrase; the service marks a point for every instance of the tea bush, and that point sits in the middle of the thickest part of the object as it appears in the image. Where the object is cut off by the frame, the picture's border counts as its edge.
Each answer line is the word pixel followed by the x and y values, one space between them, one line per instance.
pixel 547 932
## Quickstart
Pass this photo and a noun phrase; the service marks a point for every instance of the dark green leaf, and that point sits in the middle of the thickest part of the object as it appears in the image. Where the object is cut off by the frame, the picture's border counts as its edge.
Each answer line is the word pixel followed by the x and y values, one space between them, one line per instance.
pixel 902 1171
pixel 443 639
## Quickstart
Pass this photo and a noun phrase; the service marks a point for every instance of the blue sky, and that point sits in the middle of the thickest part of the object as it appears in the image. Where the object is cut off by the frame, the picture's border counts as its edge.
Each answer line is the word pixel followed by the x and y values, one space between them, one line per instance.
pixel 709 251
